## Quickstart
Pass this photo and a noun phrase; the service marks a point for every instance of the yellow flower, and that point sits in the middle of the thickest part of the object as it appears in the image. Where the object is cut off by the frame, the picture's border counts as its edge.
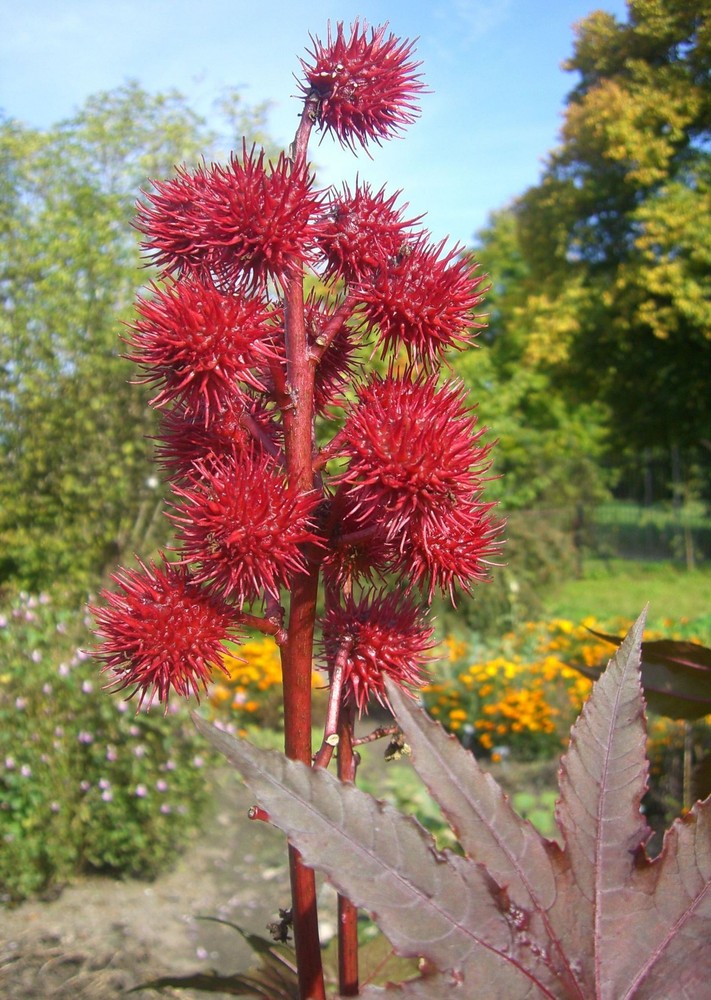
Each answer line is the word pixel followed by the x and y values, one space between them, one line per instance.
pixel 455 648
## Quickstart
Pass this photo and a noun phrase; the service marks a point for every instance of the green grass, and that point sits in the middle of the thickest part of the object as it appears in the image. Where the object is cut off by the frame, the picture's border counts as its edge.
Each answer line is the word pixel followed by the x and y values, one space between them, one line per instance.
pixel 620 588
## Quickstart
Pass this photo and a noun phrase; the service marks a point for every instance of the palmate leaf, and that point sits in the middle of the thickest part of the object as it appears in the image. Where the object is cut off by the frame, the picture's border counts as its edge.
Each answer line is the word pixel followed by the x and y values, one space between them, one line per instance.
pixel 518 916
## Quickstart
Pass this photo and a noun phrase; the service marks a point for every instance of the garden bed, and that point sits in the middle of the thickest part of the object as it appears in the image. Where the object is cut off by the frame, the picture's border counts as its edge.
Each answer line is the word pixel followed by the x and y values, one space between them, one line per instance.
pixel 101 937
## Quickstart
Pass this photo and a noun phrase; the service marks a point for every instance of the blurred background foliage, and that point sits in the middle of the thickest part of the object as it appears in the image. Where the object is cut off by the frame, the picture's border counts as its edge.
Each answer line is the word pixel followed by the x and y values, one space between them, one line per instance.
pixel 78 485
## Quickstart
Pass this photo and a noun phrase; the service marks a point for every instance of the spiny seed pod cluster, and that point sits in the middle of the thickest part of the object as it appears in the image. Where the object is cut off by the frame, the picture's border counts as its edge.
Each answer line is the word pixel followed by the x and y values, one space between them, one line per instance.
pixel 387 509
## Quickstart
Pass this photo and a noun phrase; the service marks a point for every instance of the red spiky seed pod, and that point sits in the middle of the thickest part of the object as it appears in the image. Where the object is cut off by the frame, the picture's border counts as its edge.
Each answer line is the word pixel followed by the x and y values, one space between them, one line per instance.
pixel 260 223
pixel 363 231
pixel 161 631
pixel 244 527
pixel 200 346
pixel 236 226
pixel 424 301
pixel 172 220
pixel 457 549
pixel 355 553
pixel 381 634
pixel 413 450
pixel 367 84
pixel 335 368
pixel 192 438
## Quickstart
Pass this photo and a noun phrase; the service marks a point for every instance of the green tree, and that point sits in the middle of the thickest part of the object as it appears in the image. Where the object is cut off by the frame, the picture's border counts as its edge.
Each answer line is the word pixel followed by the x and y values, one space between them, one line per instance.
pixel 77 480
pixel 622 217
pixel 549 443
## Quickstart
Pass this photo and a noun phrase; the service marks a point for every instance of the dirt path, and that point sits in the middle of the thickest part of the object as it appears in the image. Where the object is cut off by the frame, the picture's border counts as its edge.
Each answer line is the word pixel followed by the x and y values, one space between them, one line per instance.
pixel 101 937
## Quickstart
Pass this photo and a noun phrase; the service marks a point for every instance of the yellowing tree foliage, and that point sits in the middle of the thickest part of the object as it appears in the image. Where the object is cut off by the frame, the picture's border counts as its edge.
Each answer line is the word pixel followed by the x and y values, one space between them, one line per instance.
pixel 623 215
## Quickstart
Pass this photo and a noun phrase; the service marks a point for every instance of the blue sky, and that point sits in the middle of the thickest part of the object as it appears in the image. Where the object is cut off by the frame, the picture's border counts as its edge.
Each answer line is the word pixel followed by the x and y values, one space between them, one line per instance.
pixel 493 67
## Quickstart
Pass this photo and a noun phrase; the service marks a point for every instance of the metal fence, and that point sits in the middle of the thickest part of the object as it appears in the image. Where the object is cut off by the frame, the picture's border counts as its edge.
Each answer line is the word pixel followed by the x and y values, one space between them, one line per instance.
pixel 649 533
pixel 627 531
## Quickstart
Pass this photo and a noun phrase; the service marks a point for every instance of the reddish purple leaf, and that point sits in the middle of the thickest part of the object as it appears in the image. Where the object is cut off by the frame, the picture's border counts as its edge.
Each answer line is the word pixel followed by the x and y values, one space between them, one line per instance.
pixel 442 907
pixel 676 676
pixel 519 916
pixel 603 779
pixel 663 915
pixel 489 830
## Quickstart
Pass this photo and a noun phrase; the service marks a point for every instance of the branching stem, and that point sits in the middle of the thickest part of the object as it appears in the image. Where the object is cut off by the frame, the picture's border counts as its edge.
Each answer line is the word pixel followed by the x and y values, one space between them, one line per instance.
pixel 259 435
pixel 377 734
pixel 331 737
pixel 297 652
pixel 267 626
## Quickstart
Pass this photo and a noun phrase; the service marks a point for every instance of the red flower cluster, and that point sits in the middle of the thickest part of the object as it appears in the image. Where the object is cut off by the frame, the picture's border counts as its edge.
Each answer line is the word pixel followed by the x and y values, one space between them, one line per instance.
pixel 382 635
pixel 367 86
pixel 162 631
pixel 236 355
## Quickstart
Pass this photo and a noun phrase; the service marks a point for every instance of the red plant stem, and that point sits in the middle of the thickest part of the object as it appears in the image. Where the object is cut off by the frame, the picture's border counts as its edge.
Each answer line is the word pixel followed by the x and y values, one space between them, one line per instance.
pixel 347 912
pixel 327 335
pixel 251 425
pixel 265 625
pixel 297 656
pixel 330 450
pixel 297 653
pixel 333 712
pixel 354 537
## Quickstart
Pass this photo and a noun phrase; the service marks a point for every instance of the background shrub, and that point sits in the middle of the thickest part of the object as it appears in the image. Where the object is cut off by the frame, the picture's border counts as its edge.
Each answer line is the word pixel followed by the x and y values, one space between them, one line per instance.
pixel 85 783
